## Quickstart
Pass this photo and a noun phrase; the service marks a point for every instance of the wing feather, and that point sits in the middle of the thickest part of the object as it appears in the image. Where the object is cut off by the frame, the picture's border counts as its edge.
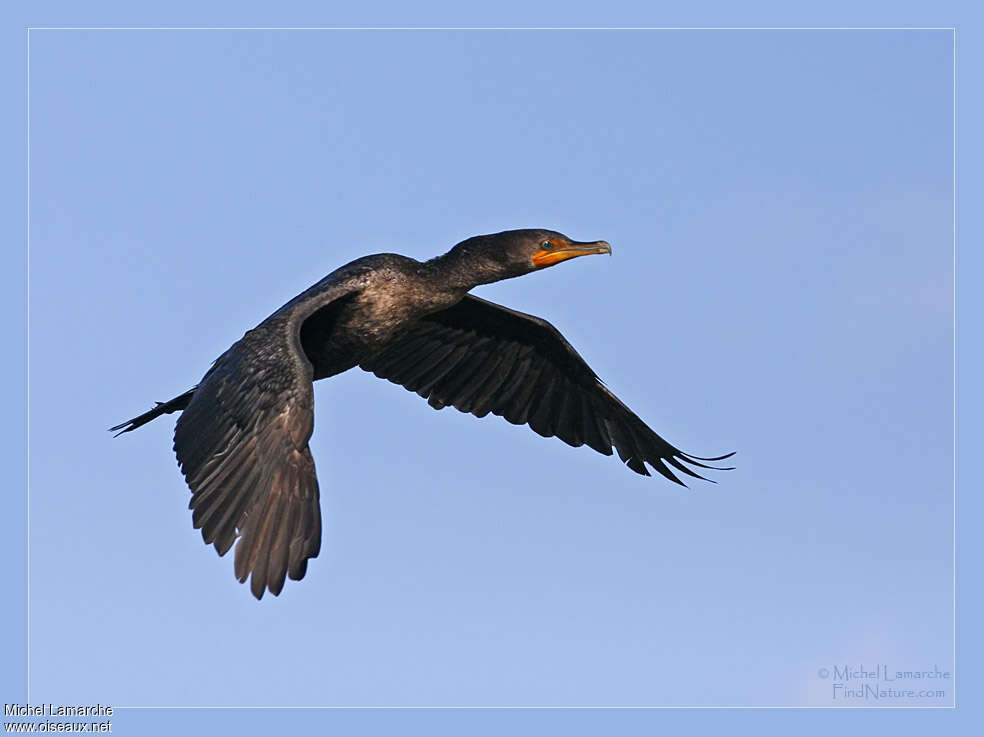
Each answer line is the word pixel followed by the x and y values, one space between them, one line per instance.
pixel 242 444
pixel 481 357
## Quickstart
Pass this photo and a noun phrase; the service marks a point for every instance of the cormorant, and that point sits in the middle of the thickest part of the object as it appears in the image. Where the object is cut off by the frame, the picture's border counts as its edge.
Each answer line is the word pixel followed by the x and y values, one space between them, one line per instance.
pixel 242 437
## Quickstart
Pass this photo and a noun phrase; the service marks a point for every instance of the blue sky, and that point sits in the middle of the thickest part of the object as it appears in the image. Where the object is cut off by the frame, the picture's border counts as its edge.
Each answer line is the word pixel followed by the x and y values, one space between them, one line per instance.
pixel 780 208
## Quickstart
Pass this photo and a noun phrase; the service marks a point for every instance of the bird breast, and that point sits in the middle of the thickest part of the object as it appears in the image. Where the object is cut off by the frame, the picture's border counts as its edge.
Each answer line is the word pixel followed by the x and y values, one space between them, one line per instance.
pixel 390 303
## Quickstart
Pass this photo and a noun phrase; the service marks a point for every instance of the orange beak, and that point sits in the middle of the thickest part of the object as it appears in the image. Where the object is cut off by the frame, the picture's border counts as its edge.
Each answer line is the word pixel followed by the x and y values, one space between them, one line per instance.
pixel 571 249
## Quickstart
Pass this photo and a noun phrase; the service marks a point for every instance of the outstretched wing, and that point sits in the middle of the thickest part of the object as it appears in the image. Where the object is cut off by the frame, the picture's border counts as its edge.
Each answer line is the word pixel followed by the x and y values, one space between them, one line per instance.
pixel 481 357
pixel 242 444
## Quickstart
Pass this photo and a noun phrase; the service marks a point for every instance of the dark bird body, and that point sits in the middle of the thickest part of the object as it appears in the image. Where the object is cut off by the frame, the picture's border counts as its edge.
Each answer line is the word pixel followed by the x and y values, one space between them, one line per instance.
pixel 242 437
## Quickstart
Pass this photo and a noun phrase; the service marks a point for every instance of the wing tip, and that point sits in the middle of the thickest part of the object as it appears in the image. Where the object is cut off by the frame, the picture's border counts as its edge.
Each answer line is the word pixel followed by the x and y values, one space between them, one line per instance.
pixel 711 460
pixel 678 458
pixel 699 461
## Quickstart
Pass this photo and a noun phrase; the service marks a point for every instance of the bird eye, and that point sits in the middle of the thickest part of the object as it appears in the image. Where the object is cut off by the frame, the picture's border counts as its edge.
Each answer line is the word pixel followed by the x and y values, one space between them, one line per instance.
pixel 546 245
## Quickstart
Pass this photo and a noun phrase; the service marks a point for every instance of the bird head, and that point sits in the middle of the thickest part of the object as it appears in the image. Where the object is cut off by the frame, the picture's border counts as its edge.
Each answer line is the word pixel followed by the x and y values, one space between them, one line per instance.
pixel 517 252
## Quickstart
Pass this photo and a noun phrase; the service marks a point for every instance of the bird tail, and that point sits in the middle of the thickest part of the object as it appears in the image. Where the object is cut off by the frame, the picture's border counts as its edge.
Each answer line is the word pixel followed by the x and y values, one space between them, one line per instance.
pixel 163 408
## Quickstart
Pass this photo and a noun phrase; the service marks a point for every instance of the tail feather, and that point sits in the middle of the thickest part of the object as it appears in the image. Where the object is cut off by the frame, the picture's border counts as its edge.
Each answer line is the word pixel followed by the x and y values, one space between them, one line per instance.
pixel 163 408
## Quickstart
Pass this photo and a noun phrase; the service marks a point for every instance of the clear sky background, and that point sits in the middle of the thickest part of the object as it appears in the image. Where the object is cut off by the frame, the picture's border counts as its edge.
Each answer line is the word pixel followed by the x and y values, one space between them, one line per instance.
pixel 781 213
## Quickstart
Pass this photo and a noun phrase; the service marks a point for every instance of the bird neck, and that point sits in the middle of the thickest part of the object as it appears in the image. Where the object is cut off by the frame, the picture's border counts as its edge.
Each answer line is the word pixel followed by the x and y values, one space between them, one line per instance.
pixel 458 270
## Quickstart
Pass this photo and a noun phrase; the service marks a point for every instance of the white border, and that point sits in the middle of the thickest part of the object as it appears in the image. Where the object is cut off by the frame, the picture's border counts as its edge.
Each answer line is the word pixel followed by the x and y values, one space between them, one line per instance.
pixel 27 438
pixel 954 436
pixel 952 29
pixel 491 28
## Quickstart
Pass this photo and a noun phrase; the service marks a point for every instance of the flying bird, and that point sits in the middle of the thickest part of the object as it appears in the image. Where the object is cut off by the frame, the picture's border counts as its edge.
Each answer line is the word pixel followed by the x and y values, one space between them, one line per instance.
pixel 242 438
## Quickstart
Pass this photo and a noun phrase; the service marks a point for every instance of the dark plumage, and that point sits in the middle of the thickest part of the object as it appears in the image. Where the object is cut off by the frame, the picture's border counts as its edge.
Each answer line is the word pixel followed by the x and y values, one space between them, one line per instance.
pixel 242 437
